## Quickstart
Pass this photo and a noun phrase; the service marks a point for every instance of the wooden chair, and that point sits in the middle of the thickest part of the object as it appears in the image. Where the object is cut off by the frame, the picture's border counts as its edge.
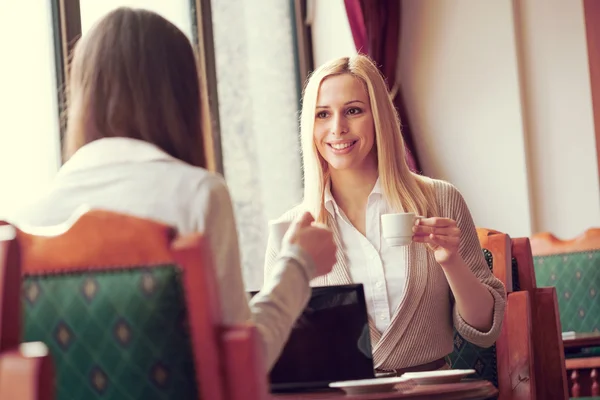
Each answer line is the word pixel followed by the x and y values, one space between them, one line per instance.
pixel 516 364
pixel 497 246
pixel 128 309
pixel 509 363
pixel 548 348
pixel 26 370
pixel 573 268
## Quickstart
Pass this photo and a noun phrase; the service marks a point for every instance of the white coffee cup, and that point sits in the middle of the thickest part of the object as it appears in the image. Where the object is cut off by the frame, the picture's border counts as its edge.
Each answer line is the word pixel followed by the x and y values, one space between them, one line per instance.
pixel 397 229
pixel 277 231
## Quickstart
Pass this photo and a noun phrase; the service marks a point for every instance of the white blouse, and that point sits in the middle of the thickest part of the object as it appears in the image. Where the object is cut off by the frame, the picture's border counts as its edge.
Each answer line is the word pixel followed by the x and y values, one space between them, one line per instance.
pixel 135 177
pixel 382 269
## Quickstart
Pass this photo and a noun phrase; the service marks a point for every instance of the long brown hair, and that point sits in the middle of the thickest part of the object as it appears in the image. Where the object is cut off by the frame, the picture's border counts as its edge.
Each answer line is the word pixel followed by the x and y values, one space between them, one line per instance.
pixel 403 190
pixel 134 75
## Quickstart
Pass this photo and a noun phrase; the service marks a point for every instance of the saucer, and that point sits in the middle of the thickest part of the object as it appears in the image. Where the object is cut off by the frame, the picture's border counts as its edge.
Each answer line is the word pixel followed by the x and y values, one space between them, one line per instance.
pixel 438 377
pixel 363 386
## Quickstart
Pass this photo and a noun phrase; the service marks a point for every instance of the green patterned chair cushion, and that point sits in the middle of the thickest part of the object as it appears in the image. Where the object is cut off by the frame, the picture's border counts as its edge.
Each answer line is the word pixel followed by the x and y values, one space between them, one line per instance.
pixel 113 334
pixel 576 277
pixel 466 355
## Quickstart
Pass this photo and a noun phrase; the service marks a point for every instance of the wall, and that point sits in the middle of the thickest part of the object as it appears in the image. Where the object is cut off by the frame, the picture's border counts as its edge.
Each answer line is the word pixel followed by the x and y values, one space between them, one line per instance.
pixel 463 98
pixel 500 105
pixel 331 33
pixel 560 116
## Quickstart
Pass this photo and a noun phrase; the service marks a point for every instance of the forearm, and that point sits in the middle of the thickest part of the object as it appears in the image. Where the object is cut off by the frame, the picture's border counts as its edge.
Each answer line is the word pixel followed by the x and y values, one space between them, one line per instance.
pixel 282 299
pixel 473 299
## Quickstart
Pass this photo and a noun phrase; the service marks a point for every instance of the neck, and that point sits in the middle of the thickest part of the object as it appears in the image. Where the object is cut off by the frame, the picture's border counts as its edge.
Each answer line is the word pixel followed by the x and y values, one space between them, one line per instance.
pixel 351 188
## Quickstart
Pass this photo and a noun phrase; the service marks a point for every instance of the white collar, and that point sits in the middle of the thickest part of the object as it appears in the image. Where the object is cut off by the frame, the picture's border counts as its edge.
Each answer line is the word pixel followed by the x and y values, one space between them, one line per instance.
pixel 329 201
pixel 114 150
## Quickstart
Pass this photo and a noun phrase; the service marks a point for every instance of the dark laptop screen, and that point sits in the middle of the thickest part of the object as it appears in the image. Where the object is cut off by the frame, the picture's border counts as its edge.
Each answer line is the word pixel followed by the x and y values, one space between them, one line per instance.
pixel 330 341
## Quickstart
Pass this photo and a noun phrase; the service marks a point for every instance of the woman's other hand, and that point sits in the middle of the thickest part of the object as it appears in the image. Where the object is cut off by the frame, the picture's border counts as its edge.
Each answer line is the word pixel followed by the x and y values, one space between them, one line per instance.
pixel 314 239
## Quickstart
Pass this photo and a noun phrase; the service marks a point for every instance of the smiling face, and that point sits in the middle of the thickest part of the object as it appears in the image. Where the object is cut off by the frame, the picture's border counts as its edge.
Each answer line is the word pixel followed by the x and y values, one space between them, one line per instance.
pixel 344 131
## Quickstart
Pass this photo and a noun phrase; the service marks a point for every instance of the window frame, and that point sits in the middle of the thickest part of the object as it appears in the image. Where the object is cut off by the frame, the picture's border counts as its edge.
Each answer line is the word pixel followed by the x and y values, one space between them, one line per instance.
pixel 66 25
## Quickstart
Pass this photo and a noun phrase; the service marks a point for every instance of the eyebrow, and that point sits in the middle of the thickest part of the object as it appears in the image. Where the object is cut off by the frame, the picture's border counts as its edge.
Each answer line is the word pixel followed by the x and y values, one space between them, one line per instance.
pixel 346 103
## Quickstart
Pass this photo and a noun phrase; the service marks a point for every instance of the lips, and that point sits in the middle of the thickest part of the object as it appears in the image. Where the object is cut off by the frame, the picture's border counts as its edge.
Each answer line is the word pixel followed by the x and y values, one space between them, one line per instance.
pixel 342 147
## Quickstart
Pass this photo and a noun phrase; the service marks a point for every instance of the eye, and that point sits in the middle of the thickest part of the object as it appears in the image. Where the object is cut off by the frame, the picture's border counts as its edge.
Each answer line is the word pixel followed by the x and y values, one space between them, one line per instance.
pixel 322 114
pixel 354 111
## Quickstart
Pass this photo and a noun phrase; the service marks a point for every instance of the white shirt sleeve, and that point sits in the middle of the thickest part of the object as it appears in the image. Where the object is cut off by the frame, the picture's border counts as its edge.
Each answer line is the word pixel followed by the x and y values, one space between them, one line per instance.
pixel 286 291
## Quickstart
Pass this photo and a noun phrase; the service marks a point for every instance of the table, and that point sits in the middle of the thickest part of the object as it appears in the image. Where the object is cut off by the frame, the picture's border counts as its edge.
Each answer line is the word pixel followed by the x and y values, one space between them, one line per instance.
pixel 466 390
pixel 581 340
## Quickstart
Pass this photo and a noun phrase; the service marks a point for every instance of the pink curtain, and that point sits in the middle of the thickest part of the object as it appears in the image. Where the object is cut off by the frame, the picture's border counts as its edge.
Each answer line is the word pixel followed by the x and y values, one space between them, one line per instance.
pixel 375 26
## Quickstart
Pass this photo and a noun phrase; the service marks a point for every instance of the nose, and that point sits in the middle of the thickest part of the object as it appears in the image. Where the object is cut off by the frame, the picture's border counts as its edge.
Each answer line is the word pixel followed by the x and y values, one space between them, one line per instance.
pixel 339 125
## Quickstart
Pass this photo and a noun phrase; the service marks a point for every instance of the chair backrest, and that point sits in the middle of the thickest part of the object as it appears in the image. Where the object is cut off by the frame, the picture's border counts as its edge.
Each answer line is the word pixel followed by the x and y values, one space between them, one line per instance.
pixel 493 363
pixel 573 267
pixel 129 310
pixel 509 363
pixel 26 370
pixel 496 245
pixel 467 355
pixel 550 371
pixel 522 265
pixel 10 276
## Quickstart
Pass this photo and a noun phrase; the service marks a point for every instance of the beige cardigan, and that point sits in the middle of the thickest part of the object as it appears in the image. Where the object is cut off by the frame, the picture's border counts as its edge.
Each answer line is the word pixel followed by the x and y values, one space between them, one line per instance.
pixel 421 329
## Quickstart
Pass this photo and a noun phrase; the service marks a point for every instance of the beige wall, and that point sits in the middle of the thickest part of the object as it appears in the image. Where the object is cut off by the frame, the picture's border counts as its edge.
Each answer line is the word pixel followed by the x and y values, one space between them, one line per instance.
pixel 500 105
pixel 331 33
pixel 463 99
pixel 560 122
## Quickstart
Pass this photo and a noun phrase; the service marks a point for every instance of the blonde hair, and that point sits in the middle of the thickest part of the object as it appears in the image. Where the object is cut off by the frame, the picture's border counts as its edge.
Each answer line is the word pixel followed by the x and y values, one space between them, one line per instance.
pixel 134 75
pixel 402 189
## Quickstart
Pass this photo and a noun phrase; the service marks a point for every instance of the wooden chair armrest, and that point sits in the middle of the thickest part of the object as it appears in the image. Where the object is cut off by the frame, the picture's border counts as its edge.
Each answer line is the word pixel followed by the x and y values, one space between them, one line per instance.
pixel 27 373
pixel 514 348
pixel 244 363
pixel 549 352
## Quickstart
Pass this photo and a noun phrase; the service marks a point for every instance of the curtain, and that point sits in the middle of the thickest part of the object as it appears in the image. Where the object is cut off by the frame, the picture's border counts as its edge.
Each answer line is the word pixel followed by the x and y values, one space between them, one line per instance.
pixel 375 26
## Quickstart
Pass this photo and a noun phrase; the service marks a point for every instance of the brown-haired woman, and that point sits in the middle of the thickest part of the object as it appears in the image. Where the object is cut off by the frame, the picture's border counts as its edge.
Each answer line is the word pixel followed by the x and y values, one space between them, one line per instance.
pixel 134 145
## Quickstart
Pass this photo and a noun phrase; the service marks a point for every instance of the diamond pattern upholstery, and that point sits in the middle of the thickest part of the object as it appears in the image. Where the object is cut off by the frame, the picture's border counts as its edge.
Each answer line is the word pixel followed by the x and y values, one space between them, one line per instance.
pixel 576 277
pixel 118 334
pixel 467 355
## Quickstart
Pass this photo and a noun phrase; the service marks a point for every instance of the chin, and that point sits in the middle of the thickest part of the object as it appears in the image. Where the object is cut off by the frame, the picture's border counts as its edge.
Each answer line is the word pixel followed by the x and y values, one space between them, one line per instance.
pixel 341 166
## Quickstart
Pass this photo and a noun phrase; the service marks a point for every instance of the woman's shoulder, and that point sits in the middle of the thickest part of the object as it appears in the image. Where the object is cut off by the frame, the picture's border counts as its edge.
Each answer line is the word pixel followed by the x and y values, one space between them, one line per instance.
pixel 200 179
pixel 443 188
pixel 447 196
pixel 440 187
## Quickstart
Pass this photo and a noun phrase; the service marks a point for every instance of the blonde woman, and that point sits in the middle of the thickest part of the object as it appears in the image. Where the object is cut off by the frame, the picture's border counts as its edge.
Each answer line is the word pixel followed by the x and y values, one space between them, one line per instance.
pixel 134 143
pixel 355 170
